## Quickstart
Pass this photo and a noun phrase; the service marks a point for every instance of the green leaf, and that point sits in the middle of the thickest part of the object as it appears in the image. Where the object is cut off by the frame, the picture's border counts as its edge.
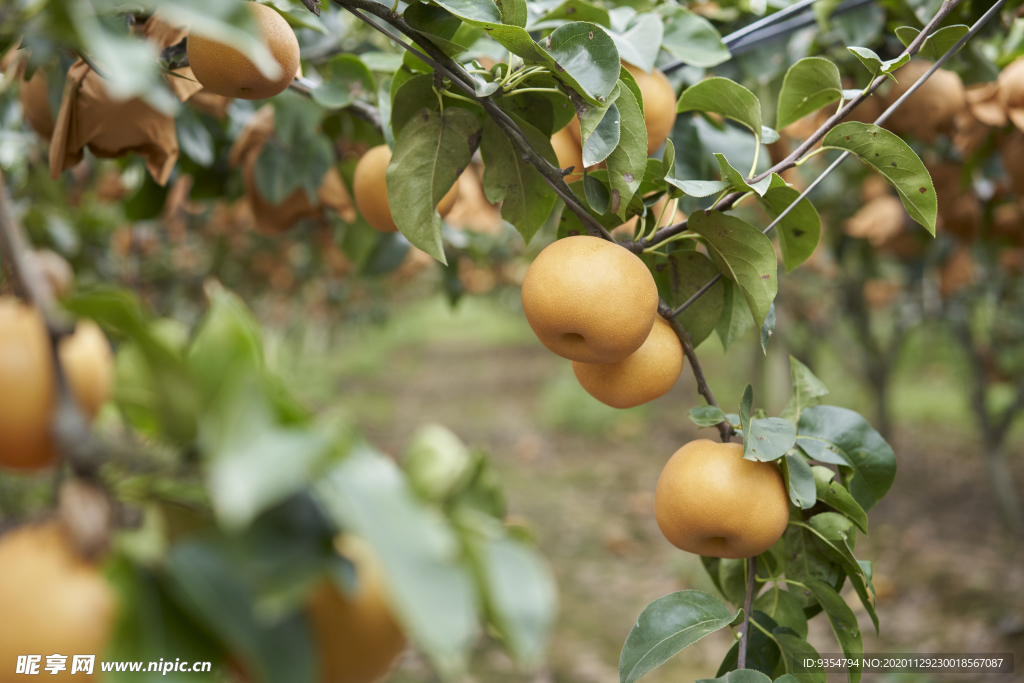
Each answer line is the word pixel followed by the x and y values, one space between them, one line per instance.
pixel 668 160
pixel 627 165
pixel 835 495
pixel 588 55
pixel 768 329
pixel 346 79
pixel 807 389
pixel 832 531
pixel 874 64
pixel 520 594
pixel 825 430
pixel 640 44
pixel 437 24
pixel 597 194
pixel 548 112
pixel 736 318
pixel 472 10
pixel 738 182
pixel 194 138
pixel 432 593
pixel 794 650
pixel 843 622
pixel 699 188
pixel 784 608
pixel 806 560
pixel 769 135
pixel 602 128
pixel 799 231
pixel 743 254
pixel 722 96
pixel 706 416
pixel 888 154
pixel 745 405
pixel 770 439
pixel 762 654
pixel 526 197
pixel 570 10
pixel 513 12
pixel 809 85
pixel 801 480
pixel 668 625
pixel 691 38
pixel 935 45
pixel 430 153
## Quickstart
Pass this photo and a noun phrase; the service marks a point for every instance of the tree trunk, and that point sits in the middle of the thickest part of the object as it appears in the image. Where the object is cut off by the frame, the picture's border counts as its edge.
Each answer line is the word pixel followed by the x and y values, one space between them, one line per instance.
pixel 1003 486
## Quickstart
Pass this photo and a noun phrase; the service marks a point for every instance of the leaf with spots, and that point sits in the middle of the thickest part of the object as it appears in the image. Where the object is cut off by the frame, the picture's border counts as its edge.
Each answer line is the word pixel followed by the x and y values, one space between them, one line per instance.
pixel 526 198
pixel 743 254
pixel 799 231
pixel 627 165
pixel 888 154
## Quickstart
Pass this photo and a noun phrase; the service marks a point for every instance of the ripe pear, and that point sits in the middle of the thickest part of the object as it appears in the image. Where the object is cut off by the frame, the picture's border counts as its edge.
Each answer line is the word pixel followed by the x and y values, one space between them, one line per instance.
pixel 932 107
pixel 644 375
pixel 27 376
pixel 659 105
pixel 590 300
pixel 52 601
pixel 712 502
pixel 223 70
pixel 369 186
pixel 357 637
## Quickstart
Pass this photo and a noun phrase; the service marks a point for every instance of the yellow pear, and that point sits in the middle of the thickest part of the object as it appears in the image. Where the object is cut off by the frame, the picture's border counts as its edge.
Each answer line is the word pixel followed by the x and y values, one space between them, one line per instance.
pixel 712 502
pixel 223 70
pixel 642 376
pixel 590 300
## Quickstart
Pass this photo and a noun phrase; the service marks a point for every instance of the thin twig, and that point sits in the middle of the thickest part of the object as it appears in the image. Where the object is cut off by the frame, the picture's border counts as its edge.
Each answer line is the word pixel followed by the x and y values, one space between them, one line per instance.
pixel 748 605
pixel 832 122
pixel 724 428
pixel 367 112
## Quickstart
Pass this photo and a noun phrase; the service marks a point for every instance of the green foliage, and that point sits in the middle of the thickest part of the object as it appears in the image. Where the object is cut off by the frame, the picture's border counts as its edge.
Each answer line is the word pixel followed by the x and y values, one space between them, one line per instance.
pixel 809 85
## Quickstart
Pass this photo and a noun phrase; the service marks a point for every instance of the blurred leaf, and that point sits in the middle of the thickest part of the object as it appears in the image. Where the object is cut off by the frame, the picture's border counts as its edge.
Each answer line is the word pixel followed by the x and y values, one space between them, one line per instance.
pixel 639 45
pixel 431 591
pixel 749 675
pixel 207 587
pixel 835 495
pixel 799 231
pixel 745 406
pixel 743 254
pixel 346 79
pixel 691 38
pixel 736 318
pixel 513 12
pixel 844 625
pixel 526 197
pixel 699 188
pixel 430 153
pixel 227 343
pixel 148 201
pixel 809 85
pixel 571 10
pixel 667 626
pixel 888 154
pixel 844 433
pixel 194 139
pixel 768 328
pixel 150 626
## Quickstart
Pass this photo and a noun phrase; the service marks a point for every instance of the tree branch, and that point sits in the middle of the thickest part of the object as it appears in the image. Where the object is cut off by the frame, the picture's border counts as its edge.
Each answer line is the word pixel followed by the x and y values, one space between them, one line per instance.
pixel 724 428
pixel 448 67
pixel 817 136
pixel 69 426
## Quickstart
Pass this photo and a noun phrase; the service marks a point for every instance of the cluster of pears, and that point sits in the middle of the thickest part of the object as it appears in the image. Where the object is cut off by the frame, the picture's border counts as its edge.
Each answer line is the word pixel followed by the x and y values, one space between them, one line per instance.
pixel 55 600
pixel 26 362
pixel 595 303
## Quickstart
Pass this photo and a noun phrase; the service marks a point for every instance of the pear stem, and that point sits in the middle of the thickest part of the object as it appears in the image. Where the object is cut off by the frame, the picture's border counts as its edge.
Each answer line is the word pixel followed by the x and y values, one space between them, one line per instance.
pixel 748 604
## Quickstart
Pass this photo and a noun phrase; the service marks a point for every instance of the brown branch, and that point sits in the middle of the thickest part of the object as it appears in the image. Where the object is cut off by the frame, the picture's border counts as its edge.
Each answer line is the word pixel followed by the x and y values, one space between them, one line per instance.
pixel 69 426
pixel 724 428
pixel 805 147
pixel 448 67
